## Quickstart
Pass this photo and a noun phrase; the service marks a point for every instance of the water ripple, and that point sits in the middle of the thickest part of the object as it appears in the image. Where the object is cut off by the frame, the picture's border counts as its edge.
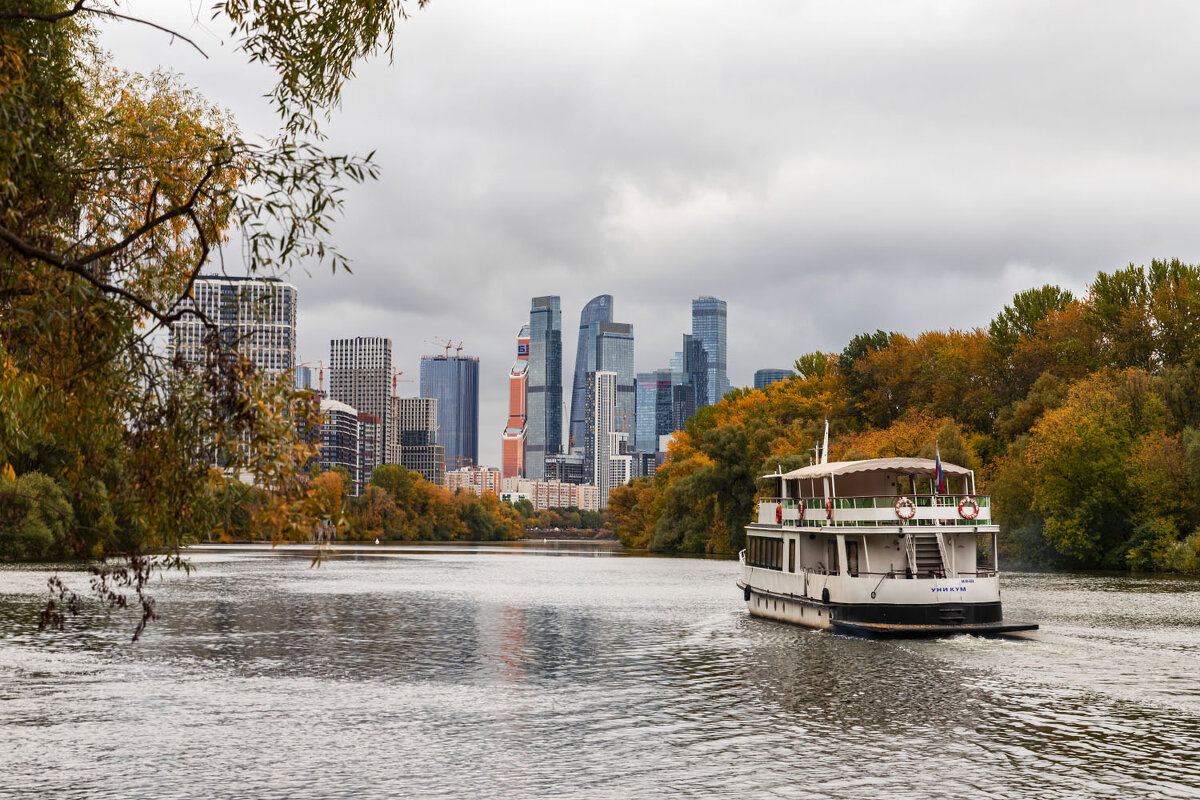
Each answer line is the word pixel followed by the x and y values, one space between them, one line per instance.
pixel 451 672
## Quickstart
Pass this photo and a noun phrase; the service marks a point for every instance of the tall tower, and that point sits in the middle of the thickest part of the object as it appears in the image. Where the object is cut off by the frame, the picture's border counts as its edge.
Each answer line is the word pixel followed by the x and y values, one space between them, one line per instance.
pixel 600 413
pixel 543 390
pixel 512 441
pixel 614 353
pixel 360 377
pixel 454 382
pixel 708 327
pixel 599 309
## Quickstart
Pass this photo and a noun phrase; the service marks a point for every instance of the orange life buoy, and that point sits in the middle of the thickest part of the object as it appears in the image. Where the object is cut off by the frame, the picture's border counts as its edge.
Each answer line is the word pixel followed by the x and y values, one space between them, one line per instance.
pixel 828 509
pixel 905 508
pixel 779 513
pixel 968 508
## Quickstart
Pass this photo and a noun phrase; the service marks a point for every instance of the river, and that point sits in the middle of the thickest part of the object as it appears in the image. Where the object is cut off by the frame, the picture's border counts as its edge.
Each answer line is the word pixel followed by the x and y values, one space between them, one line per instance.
pixel 575 671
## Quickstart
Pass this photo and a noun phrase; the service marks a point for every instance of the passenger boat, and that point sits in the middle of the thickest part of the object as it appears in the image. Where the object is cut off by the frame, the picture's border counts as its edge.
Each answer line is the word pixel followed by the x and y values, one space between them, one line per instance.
pixel 878 547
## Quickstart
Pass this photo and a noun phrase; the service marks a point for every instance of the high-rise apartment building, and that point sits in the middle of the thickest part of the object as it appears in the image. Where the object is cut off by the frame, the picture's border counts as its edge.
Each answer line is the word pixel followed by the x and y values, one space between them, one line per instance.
pixel 543 388
pixel 454 382
pixel 708 327
pixel 370 452
pixel 598 310
pixel 513 439
pixel 765 377
pixel 339 438
pixel 412 438
pixel 256 316
pixel 361 377
pixel 603 444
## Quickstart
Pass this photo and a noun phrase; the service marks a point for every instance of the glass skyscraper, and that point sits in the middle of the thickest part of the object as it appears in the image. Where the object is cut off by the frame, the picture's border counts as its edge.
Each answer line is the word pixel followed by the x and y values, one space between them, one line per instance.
pixel 765 377
pixel 454 382
pixel 614 353
pixel 544 393
pixel 708 327
pixel 599 309
pixel 654 417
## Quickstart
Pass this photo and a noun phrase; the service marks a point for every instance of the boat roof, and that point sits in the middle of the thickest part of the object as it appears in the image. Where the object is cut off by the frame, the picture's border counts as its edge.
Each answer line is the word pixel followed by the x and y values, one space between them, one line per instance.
pixel 904 466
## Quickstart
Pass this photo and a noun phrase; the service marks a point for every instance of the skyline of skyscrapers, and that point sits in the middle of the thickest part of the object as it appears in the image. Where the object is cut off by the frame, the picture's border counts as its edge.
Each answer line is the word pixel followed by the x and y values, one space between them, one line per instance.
pixel 647 406
pixel 454 382
pixel 543 388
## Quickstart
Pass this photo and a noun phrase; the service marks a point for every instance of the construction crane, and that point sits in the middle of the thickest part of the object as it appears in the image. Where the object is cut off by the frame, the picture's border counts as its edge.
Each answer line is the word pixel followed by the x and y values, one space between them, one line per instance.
pixel 438 341
pixel 396 377
pixel 447 345
pixel 320 372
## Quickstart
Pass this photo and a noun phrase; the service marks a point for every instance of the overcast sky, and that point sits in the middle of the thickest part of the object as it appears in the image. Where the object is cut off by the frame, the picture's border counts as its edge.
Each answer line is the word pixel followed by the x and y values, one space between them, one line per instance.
pixel 825 167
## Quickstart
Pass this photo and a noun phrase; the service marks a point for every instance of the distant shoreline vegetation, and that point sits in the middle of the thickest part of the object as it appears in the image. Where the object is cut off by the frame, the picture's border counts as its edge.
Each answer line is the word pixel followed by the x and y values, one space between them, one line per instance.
pixel 1079 415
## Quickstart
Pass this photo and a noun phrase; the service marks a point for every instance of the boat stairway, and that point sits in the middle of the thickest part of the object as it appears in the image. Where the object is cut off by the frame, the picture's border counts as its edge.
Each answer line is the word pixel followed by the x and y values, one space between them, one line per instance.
pixel 929 555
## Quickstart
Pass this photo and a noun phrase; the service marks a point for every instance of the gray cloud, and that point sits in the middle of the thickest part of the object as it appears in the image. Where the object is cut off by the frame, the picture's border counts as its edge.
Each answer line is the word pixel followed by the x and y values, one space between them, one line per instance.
pixel 826 167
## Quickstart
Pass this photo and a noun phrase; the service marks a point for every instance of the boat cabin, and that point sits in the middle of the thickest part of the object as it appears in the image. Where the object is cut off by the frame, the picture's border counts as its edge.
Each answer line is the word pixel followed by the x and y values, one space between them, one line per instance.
pixel 890 517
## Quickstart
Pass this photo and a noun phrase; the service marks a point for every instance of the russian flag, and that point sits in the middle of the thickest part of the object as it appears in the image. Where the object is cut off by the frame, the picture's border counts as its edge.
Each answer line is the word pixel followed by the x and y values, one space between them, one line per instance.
pixel 939 477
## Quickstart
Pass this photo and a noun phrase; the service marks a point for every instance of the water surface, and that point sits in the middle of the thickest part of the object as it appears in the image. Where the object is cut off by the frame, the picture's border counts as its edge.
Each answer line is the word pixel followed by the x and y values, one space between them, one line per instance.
pixel 563 671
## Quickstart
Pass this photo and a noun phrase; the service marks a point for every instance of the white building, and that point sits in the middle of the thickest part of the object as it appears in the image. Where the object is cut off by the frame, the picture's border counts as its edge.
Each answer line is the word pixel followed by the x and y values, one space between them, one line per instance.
pixel 553 494
pixel 475 479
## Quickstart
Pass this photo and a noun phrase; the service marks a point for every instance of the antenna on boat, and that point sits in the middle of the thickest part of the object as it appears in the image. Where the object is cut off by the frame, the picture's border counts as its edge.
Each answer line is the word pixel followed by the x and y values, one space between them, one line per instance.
pixel 825 446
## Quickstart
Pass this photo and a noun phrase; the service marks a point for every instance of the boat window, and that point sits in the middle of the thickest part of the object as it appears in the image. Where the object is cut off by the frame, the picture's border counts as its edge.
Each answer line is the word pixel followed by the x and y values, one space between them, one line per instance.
pixel 833 557
pixel 852 558
pixel 763 551
pixel 791 555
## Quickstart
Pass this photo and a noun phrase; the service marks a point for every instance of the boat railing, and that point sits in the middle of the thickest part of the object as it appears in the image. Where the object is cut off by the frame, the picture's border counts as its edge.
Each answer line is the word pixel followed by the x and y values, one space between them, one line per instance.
pixel 874 510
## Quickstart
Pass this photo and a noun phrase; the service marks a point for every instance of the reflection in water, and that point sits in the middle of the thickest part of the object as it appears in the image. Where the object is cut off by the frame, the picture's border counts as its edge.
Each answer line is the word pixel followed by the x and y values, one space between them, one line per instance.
pixel 558 671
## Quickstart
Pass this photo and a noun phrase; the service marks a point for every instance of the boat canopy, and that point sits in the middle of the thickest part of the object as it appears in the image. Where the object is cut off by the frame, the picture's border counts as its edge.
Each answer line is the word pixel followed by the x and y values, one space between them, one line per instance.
pixel 901 466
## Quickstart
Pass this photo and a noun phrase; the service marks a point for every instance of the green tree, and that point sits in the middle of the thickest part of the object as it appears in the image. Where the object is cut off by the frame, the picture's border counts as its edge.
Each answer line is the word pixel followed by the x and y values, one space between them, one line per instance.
pixel 35 517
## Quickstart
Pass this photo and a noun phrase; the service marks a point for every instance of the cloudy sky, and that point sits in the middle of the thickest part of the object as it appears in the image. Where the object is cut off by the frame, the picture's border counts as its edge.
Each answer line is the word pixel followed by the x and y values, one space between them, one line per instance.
pixel 825 167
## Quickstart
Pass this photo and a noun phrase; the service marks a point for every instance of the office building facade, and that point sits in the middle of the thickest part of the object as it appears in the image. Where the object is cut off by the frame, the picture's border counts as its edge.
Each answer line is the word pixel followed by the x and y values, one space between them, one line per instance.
pixel 514 438
pixel 654 415
pixel 454 382
pixel 709 329
pixel 765 377
pixel 543 388
pixel 598 309
pixel 360 375
pixel 614 353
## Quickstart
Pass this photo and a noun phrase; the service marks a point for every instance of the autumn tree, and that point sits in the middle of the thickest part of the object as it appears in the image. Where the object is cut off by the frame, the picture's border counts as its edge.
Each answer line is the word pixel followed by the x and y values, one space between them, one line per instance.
pixel 116 191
